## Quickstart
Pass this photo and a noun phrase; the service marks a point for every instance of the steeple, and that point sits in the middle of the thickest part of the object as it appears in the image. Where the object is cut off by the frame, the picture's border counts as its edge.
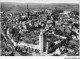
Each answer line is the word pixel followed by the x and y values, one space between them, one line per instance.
pixel 27 6
pixel 28 12
pixel 42 42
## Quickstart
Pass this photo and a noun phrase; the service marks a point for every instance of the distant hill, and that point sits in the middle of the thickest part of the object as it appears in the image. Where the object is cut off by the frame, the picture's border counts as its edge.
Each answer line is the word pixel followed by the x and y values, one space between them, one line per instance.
pixel 6 6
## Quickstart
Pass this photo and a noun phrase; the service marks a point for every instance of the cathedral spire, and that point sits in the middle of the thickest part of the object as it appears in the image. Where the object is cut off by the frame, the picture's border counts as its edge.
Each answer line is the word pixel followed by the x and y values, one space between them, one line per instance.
pixel 28 12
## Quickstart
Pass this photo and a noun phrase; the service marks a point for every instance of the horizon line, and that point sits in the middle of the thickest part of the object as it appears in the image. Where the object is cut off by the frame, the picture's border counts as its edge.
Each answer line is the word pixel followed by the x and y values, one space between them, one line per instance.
pixel 42 1
pixel 39 2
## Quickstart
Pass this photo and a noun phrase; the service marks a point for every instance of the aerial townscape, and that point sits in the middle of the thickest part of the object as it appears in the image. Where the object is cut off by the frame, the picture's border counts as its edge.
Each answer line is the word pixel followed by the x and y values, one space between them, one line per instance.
pixel 39 29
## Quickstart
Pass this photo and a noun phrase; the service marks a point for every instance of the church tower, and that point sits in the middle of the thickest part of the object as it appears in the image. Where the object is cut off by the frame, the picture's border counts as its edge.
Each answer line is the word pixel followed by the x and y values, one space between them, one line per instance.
pixel 42 42
pixel 28 11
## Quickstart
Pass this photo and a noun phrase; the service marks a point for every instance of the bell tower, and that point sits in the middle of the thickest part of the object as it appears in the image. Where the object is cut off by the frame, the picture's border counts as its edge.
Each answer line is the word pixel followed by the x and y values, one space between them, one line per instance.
pixel 28 11
pixel 42 41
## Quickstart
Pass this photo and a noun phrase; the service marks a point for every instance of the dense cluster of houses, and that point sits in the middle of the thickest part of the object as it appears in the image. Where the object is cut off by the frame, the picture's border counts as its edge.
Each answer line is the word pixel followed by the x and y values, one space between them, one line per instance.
pixel 53 24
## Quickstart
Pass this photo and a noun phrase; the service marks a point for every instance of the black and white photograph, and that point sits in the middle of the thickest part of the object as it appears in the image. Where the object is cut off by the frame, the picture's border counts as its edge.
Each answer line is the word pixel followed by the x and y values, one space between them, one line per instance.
pixel 39 28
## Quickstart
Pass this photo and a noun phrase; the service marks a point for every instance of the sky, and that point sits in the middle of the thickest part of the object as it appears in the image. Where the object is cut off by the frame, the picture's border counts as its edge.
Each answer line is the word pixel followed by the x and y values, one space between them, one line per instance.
pixel 42 1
